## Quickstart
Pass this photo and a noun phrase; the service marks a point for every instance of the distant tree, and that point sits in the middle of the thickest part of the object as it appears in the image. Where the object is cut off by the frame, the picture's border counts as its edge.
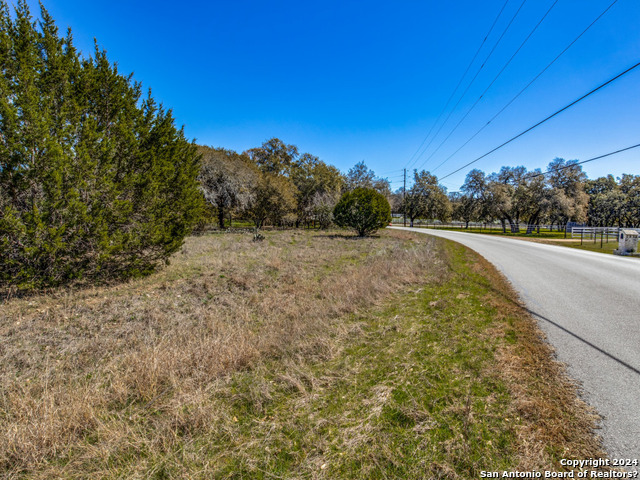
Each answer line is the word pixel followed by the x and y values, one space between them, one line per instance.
pixel 563 194
pixel 360 176
pixel 478 196
pixel 272 198
pixel 95 180
pixel 383 186
pixel 426 198
pixel 363 209
pixel 568 199
pixel 413 206
pixel 606 208
pixel 600 185
pixel 226 179
pixel 464 207
pixel 630 188
pixel 396 201
pixel 498 201
pixel 316 183
pixel 535 197
pixel 274 156
pixel 606 201
pixel 517 196
pixel 322 208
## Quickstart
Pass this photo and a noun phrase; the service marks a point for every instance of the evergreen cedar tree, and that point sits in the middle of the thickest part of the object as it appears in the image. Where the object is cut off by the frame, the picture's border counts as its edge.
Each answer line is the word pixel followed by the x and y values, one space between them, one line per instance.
pixel 95 181
pixel 363 209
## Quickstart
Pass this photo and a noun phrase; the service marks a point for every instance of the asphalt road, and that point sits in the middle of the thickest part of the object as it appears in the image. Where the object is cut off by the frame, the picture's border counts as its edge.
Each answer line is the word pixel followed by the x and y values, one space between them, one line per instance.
pixel 588 304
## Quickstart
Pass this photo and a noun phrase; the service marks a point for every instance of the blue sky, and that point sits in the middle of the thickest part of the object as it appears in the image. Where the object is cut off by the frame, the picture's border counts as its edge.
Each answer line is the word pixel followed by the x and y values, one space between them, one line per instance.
pixel 350 81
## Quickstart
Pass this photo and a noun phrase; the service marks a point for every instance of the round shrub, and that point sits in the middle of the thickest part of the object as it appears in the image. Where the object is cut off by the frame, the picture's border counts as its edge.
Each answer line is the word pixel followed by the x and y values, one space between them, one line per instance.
pixel 363 209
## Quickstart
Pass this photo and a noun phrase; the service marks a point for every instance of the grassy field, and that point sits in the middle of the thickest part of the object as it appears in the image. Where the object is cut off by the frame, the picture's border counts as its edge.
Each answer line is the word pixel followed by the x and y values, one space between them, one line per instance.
pixel 307 355
pixel 590 245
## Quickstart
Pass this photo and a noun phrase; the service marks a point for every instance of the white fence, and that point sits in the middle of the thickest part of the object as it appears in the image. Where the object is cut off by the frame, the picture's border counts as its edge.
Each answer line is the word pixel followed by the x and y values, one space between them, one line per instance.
pixel 591 232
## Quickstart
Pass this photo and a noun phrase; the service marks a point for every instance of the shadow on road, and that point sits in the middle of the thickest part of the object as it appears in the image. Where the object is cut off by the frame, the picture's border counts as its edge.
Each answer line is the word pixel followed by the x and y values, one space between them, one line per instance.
pixel 586 342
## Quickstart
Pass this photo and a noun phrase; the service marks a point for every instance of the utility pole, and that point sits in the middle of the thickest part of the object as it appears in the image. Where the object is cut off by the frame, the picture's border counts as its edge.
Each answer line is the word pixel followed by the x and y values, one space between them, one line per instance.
pixel 404 206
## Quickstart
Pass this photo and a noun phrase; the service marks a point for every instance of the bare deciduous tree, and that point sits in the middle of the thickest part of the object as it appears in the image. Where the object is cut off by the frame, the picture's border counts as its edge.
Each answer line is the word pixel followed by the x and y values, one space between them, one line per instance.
pixel 226 180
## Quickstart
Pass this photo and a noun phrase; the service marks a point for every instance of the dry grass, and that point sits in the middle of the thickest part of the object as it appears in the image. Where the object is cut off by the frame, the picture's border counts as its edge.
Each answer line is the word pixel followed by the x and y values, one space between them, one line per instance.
pixel 103 381
pixel 443 381
pixel 307 355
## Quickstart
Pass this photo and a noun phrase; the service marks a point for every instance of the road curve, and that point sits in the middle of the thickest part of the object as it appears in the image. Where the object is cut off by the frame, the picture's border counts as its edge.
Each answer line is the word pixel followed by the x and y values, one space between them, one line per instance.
pixel 588 304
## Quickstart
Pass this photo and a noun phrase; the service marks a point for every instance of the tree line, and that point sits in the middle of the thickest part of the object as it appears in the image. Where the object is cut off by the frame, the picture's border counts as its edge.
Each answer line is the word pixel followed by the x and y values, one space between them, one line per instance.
pixel 516 197
pixel 276 185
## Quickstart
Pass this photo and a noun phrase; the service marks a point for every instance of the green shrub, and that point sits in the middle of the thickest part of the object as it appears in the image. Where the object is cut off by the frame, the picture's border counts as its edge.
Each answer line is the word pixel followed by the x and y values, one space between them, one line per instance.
pixel 95 181
pixel 363 209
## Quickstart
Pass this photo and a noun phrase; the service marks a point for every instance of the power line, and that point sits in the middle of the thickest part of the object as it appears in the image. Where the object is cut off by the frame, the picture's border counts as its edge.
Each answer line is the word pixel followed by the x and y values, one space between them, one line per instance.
pixel 489 86
pixel 547 118
pixel 472 80
pixel 392 171
pixel 459 83
pixel 526 177
pixel 528 85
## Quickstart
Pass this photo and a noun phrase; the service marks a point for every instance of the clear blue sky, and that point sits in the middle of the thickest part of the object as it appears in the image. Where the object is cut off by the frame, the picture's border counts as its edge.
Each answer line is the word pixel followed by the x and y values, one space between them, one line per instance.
pixel 351 81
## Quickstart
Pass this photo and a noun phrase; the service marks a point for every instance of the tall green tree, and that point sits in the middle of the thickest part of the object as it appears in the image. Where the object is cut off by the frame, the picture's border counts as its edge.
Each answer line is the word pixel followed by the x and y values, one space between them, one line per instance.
pixel 95 181
pixel 606 201
pixel 359 176
pixel 568 199
pixel 273 196
pixel 464 207
pixel 478 196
